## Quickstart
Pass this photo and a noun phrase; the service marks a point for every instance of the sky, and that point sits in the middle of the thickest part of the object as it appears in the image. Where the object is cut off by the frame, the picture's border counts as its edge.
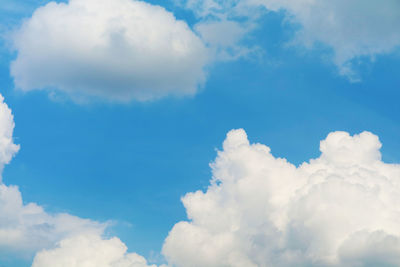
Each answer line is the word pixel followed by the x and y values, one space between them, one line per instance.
pixel 199 133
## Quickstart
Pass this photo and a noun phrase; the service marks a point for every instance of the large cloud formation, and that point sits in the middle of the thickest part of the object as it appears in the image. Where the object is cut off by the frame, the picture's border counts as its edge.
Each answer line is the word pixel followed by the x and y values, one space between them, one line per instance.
pixel 118 50
pixel 62 239
pixel 353 29
pixel 341 209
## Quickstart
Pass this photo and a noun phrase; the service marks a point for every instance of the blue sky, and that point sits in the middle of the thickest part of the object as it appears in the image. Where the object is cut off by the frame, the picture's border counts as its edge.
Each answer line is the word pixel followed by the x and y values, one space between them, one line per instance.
pixel 130 162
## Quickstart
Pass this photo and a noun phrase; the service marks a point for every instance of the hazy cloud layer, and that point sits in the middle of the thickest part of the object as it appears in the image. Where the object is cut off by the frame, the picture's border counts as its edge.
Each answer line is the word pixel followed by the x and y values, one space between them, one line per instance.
pixel 353 29
pixel 119 50
pixel 341 209
pixel 223 39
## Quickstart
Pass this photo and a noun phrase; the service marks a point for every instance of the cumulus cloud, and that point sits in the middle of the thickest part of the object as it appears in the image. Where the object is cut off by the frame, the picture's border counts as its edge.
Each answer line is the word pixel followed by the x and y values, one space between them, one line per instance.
pixel 89 251
pixel 118 50
pixel 341 209
pixel 353 29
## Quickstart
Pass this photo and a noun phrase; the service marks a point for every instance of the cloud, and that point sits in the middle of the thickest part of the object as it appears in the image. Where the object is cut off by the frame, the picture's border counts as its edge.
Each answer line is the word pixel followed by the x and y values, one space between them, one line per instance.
pixel 223 37
pixel 120 50
pixel 89 251
pixel 341 209
pixel 353 29
pixel 7 147
pixel 26 228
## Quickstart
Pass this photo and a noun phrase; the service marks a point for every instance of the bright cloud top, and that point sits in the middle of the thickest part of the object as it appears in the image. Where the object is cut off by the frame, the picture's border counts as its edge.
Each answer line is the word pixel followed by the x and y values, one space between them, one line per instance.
pixel 353 29
pixel 341 209
pixel 119 50
pixel 89 251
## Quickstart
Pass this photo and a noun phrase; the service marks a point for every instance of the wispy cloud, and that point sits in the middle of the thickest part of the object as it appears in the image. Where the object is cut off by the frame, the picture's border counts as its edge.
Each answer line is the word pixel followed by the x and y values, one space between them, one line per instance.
pixel 352 29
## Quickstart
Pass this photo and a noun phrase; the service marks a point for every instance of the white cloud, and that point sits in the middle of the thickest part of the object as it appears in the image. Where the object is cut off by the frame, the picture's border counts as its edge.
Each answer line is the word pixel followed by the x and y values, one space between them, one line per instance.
pixel 89 251
pixel 341 209
pixel 7 147
pixel 353 29
pixel 119 50
pixel 26 228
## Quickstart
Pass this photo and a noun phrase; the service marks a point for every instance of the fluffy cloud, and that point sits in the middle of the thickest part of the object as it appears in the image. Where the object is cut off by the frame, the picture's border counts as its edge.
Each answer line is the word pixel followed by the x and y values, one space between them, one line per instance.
pixel 341 209
pixel 353 29
pixel 89 251
pixel 119 50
